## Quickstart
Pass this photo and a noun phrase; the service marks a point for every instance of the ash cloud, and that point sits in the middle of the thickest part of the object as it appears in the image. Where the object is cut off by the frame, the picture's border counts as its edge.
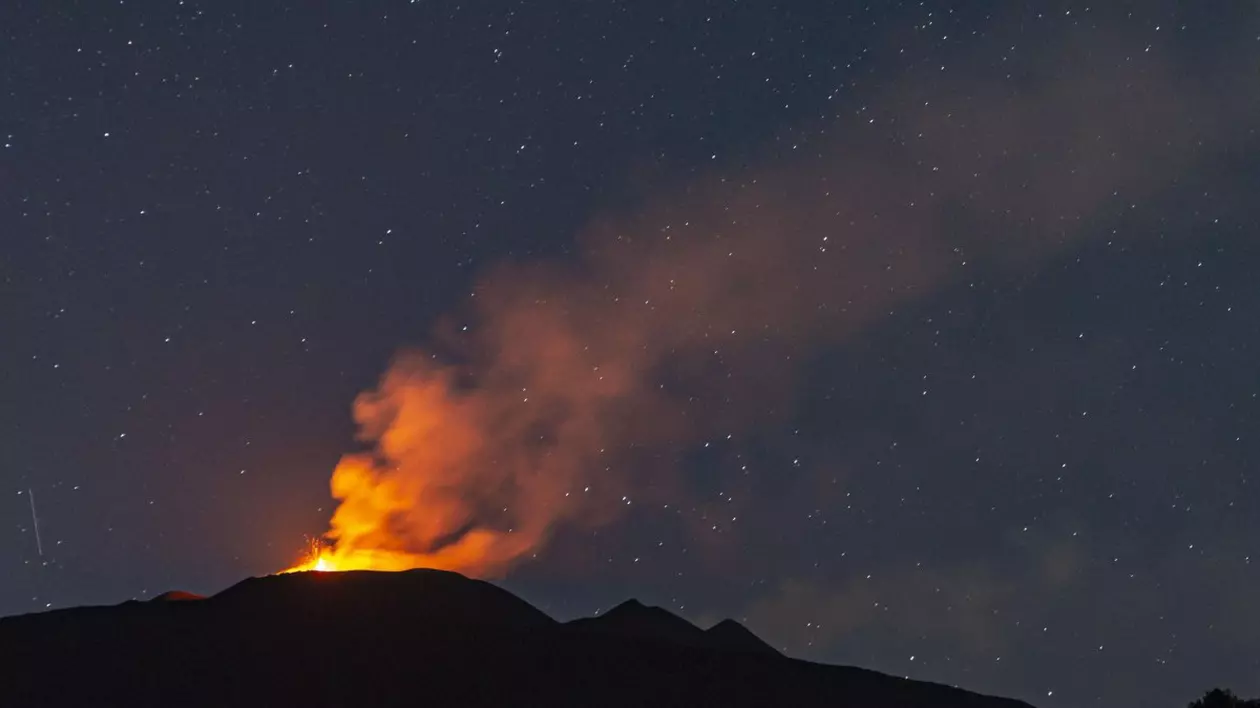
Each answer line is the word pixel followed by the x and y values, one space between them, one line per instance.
pixel 479 454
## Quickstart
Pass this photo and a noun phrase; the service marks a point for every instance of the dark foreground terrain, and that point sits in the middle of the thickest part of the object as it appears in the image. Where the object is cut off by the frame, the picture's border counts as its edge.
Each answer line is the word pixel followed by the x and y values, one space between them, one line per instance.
pixel 420 638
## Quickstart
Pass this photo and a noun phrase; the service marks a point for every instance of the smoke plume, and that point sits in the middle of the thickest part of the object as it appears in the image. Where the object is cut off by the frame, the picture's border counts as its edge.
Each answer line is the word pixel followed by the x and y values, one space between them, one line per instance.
pixel 480 449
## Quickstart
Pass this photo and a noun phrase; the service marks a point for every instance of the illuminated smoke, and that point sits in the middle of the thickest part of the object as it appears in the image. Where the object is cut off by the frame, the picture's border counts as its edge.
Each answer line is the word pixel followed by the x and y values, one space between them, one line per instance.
pixel 477 456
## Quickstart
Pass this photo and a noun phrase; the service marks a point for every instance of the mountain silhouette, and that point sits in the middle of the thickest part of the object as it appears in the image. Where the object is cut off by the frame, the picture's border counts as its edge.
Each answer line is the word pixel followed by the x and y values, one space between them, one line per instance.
pixel 416 638
pixel 733 636
pixel 634 619
pixel 419 598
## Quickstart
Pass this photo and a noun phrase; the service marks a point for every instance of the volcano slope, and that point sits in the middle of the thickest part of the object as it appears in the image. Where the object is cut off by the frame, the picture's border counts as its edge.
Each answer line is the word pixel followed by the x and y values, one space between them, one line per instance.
pixel 416 638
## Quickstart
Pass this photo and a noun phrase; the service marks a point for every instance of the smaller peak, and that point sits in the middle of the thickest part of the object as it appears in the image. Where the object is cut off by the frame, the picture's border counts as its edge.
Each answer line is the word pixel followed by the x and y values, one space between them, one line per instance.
pixel 633 610
pixel 635 619
pixel 631 605
pixel 728 625
pixel 733 636
pixel 177 596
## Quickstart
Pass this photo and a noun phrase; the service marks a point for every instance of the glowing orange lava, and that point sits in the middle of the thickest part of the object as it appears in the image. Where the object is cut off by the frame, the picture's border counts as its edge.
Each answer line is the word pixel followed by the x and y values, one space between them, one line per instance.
pixel 325 558
pixel 440 457
pixel 322 558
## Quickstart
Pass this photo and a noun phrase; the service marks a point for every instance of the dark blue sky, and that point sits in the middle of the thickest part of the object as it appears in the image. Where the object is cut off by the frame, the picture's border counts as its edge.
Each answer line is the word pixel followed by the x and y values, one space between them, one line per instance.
pixel 945 363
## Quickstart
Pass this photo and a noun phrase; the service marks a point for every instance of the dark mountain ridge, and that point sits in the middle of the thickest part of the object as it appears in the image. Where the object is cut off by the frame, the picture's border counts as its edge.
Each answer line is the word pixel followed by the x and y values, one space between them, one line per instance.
pixel 418 638
pixel 731 635
pixel 634 620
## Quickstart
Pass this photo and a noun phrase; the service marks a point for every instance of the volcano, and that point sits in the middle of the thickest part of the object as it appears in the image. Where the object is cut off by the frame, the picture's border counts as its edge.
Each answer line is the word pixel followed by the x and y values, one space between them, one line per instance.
pixel 414 638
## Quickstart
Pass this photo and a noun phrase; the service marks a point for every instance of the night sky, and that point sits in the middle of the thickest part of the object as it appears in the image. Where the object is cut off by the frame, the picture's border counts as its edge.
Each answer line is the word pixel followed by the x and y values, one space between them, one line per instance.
pixel 918 337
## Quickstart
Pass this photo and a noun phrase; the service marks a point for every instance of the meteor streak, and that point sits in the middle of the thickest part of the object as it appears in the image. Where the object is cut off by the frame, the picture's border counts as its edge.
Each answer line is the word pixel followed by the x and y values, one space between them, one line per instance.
pixel 35 520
